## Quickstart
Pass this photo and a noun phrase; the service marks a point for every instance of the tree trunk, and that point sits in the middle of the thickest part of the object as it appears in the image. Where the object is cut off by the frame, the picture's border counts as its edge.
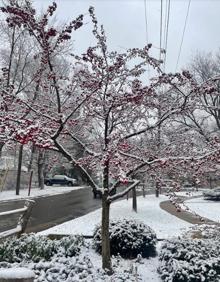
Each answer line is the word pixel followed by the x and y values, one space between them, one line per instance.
pixel 31 158
pixel 106 255
pixel 1 147
pixel 210 182
pixel 134 198
pixel 41 169
pixel 157 189
pixel 18 182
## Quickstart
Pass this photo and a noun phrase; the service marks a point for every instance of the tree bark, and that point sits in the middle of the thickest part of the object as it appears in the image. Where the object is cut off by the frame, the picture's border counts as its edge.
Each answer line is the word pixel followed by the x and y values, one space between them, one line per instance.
pixel 157 191
pixel 31 158
pixel 106 254
pixel 1 147
pixel 41 169
pixel 134 199
pixel 18 182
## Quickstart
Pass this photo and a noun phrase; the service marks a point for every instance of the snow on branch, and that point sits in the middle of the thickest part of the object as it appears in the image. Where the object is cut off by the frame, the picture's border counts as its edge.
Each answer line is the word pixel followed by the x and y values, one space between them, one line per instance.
pixel 89 151
pixel 123 193
pixel 74 162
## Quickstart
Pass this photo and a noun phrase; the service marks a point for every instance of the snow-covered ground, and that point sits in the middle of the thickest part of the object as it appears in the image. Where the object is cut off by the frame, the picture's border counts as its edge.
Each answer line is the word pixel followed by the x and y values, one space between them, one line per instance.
pixel 36 192
pixel 189 193
pixel 147 268
pixel 17 273
pixel 149 212
pixel 205 208
pixel 164 224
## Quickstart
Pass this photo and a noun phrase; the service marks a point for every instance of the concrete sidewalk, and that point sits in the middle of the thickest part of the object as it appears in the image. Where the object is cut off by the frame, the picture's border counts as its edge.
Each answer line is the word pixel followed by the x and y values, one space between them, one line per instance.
pixel 185 215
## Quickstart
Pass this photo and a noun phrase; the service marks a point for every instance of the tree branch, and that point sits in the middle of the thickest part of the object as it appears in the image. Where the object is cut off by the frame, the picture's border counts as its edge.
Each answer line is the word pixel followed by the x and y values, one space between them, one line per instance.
pixel 123 193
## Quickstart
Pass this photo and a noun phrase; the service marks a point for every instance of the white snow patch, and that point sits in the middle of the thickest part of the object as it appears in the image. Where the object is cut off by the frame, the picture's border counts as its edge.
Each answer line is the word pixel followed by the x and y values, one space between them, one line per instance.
pixel 189 193
pixel 16 273
pixel 36 192
pixel 205 208
pixel 164 224
pixel 147 268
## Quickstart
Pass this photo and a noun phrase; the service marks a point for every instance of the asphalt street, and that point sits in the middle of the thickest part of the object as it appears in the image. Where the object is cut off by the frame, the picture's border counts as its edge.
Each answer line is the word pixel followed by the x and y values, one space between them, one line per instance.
pixel 49 211
pixel 52 210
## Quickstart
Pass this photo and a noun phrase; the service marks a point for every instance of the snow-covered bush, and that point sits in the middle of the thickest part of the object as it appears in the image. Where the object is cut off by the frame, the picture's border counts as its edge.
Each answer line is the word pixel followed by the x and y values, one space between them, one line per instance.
pixel 128 238
pixel 184 260
pixel 203 231
pixel 75 269
pixel 35 248
pixel 213 194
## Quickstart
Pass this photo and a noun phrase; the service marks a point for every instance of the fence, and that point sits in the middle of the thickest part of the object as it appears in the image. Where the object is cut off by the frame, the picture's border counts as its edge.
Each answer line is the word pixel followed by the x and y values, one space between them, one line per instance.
pixel 22 222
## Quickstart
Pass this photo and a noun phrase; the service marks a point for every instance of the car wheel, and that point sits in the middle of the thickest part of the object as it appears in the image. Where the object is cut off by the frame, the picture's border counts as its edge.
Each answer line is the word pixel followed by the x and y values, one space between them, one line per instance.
pixel 70 183
pixel 48 183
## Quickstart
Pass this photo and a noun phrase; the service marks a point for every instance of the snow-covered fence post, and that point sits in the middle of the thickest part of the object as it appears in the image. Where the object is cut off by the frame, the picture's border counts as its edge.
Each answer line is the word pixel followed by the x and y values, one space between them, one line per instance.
pixel 16 275
pixel 23 220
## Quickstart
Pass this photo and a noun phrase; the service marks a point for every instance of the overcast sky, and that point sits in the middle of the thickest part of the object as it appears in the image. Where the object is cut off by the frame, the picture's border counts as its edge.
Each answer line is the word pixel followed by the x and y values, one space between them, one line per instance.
pixel 124 22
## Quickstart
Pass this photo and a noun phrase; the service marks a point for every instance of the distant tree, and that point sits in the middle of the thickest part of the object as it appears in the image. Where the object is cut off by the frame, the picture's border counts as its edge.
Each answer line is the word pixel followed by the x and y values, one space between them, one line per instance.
pixel 202 118
pixel 21 75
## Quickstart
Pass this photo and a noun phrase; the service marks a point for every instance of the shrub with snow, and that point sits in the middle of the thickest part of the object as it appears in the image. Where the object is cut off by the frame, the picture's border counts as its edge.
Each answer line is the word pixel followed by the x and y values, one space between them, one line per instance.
pixel 128 238
pixel 75 269
pixel 35 248
pixel 203 231
pixel 184 260
pixel 213 194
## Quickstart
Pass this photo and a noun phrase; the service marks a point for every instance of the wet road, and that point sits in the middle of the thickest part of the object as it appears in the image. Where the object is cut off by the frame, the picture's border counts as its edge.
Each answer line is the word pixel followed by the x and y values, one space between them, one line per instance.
pixel 52 210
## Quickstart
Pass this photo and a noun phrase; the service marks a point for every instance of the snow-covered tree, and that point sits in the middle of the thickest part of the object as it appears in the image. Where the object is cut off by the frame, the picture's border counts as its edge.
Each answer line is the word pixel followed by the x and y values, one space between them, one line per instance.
pixel 103 105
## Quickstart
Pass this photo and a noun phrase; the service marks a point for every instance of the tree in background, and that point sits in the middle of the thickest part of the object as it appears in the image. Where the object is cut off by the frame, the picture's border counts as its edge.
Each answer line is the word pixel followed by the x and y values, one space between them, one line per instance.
pixel 20 80
pixel 202 118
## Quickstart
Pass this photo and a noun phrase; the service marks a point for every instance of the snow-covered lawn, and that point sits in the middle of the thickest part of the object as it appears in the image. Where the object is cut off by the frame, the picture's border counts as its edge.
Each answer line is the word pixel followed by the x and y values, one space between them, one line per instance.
pixel 189 193
pixel 205 208
pixel 149 212
pixel 36 192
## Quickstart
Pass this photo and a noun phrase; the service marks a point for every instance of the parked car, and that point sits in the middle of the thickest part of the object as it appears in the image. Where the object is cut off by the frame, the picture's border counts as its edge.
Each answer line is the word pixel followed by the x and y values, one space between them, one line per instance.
pixel 212 194
pixel 61 180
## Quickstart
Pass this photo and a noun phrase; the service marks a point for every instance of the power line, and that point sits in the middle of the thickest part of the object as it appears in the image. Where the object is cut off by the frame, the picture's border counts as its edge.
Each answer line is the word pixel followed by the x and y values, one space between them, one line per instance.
pixel 184 29
pixel 161 25
pixel 165 23
pixel 146 31
pixel 146 22
pixel 166 32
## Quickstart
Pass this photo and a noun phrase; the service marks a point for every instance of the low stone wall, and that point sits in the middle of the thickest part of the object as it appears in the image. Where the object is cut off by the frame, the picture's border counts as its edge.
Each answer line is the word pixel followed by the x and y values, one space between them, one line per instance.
pixel 16 275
